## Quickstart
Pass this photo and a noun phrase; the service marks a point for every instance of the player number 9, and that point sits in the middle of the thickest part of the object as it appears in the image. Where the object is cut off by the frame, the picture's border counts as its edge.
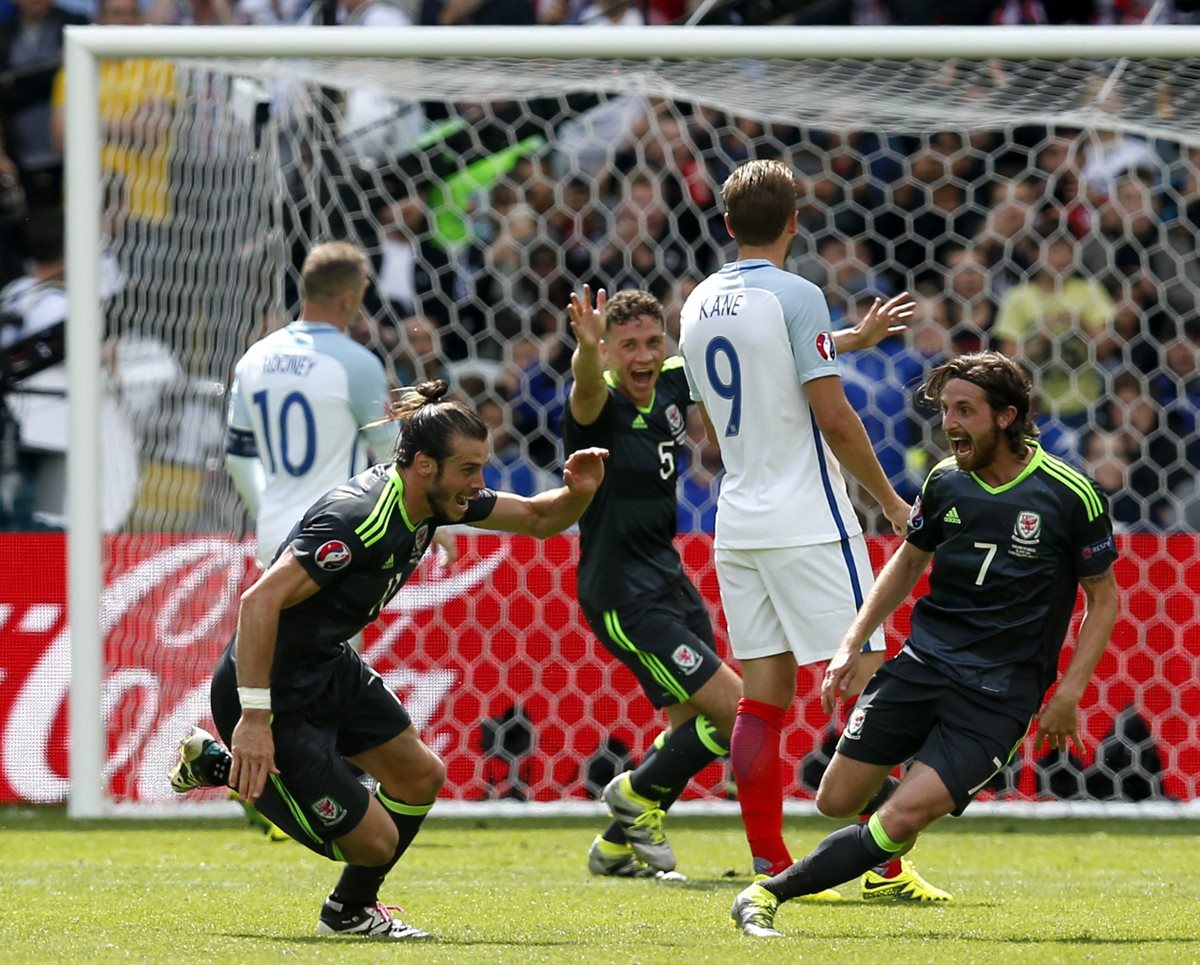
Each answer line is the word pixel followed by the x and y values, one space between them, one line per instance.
pixel 732 389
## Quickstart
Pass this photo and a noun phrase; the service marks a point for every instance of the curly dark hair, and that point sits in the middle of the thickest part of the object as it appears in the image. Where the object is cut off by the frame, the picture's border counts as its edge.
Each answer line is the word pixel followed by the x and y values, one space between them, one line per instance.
pixel 627 305
pixel 1002 382
pixel 429 425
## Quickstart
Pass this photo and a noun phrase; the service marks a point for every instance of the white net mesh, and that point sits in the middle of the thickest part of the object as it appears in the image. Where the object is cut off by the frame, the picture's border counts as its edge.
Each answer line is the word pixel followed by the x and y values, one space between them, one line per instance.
pixel 1048 209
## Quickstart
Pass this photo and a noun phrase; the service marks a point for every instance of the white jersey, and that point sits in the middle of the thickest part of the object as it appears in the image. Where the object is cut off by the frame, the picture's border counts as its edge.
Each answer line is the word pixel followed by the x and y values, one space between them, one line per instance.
pixel 751 336
pixel 300 399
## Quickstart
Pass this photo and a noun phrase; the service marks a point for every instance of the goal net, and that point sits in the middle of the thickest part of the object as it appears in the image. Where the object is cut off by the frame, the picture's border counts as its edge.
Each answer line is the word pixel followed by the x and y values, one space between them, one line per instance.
pixel 1043 204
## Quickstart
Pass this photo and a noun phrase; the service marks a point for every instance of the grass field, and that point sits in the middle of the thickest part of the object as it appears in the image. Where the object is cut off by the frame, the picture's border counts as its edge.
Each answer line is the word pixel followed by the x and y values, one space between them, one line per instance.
pixel 518 891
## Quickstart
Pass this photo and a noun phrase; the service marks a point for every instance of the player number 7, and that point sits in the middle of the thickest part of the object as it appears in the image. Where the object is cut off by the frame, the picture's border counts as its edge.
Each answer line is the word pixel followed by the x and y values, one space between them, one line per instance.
pixel 987 560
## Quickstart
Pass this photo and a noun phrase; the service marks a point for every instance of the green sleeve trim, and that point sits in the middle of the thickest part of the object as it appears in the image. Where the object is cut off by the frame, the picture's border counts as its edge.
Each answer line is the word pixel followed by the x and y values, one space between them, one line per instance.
pixel 945 463
pixel 1077 482
pixel 660 739
pixel 875 826
pixel 672 362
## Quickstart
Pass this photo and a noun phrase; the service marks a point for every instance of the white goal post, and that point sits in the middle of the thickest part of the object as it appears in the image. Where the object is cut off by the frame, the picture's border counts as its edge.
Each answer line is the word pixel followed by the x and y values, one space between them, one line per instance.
pixel 289 48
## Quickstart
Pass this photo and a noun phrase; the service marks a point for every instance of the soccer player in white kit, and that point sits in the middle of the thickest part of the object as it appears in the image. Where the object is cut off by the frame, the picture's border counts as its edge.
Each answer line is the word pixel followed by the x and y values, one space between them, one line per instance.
pixel 792 564
pixel 304 401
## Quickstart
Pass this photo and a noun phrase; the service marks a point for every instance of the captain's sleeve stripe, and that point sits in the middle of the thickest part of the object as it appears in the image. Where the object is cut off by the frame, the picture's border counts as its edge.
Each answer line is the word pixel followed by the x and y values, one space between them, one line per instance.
pixel 1077 483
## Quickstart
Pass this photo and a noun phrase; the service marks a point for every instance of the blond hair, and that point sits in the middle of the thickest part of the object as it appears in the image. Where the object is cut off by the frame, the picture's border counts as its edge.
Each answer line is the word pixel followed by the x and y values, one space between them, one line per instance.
pixel 332 269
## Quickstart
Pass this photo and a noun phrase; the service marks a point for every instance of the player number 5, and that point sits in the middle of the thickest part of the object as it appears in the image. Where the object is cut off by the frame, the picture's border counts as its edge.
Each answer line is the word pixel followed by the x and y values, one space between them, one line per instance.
pixel 666 455
pixel 987 560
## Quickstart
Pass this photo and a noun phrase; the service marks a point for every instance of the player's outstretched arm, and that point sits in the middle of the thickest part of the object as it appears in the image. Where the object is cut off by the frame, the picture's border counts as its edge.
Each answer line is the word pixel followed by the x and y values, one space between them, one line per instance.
pixel 1058 723
pixel 892 588
pixel 285 584
pixel 589 391
pixel 549 513
pixel 882 320
pixel 843 430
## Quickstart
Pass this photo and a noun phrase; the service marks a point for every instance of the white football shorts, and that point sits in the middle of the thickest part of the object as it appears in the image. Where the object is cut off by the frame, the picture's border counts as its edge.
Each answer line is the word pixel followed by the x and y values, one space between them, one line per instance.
pixel 794 598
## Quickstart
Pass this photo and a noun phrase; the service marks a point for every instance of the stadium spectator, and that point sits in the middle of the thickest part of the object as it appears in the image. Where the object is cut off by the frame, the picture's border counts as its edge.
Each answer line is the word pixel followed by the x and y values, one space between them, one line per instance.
pixel 530 380
pixel 850 278
pixel 1108 460
pixel 970 306
pixel 137 104
pixel 414 275
pixel 700 473
pixel 771 398
pixel 192 13
pixel 929 202
pixel 477 13
pixel 417 356
pixel 1054 323
pixel 31 49
pixel 508 469
pixel 1007 241
pixel 1123 250
pixel 300 710
pixel 1013 533
pixel 642 251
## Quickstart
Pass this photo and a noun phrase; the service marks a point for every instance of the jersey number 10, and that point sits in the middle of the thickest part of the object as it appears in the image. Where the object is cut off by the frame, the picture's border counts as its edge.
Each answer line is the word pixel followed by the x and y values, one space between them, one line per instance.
pixel 285 447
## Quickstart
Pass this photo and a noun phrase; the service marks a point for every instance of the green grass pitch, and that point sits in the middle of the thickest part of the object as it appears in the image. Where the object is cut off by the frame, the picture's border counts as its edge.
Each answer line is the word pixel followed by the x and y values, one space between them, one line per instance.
pixel 518 891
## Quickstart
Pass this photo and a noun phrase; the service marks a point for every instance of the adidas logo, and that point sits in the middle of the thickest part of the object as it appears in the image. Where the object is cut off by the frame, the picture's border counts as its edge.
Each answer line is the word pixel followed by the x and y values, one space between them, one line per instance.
pixel 390 562
pixel 952 516
pixel 639 422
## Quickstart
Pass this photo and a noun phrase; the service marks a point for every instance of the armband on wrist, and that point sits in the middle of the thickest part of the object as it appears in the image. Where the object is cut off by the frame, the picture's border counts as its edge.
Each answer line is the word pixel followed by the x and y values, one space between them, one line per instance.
pixel 254 698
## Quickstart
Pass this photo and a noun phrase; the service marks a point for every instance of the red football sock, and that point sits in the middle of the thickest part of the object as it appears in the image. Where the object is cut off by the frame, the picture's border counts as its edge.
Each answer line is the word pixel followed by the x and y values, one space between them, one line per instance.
pixel 754 754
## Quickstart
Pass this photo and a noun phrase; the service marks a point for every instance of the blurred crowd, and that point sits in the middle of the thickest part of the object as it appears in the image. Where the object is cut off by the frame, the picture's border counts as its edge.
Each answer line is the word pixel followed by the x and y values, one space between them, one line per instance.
pixel 1069 248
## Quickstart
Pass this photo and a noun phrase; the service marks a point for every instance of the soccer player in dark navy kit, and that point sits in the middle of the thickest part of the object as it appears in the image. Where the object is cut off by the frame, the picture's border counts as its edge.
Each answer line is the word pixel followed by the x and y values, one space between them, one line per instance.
pixel 630 398
pixel 1012 532
pixel 295 703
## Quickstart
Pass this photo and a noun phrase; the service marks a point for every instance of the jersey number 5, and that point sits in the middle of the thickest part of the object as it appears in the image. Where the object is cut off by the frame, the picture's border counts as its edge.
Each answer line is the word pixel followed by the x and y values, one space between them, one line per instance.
pixel 309 451
pixel 731 389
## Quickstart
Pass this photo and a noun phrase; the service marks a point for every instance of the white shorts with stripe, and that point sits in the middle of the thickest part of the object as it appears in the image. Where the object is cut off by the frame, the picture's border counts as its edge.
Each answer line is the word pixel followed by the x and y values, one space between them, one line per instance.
pixel 800 599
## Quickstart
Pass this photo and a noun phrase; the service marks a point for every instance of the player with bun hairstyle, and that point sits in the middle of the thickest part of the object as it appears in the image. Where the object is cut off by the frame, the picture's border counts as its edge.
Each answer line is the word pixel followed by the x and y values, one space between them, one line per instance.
pixel 296 704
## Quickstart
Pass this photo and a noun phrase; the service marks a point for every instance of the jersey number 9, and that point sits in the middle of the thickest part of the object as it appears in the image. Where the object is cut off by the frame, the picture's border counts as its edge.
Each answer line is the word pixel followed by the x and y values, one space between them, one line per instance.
pixel 731 389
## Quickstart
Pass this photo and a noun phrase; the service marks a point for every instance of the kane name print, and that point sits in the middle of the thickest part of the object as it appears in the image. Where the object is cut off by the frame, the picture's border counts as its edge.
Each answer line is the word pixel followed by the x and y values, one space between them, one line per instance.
pixel 728 303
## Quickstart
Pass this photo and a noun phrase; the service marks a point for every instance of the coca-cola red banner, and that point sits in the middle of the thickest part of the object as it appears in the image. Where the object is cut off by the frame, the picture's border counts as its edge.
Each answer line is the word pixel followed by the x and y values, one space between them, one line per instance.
pixel 499 671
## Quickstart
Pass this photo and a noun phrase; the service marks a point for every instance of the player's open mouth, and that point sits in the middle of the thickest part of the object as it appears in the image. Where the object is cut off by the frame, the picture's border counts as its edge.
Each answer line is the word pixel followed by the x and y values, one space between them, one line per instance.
pixel 461 502
pixel 641 379
pixel 960 447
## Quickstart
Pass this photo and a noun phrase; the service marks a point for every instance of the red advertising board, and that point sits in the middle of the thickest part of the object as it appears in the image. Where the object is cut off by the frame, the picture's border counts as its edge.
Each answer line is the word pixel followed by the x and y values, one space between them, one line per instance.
pixel 497 668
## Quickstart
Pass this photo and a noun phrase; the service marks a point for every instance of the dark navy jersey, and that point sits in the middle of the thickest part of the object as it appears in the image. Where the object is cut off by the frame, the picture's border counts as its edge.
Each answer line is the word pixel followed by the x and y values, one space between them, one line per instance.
pixel 626 535
pixel 1006 565
pixel 360 547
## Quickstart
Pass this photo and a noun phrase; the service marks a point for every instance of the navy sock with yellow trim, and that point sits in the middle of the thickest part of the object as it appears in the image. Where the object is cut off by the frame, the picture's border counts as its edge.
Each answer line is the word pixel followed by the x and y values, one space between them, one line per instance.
pixel 359 885
pixel 676 757
pixel 687 750
pixel 840 857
